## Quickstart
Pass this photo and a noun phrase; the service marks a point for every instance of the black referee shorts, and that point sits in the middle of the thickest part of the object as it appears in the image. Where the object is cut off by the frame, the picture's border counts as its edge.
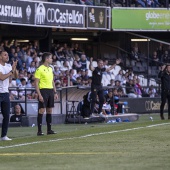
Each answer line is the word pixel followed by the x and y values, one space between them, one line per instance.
pixel 48 96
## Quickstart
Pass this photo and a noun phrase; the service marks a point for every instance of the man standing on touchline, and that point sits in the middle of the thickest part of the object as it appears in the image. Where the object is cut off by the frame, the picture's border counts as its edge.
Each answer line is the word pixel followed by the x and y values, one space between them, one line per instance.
pixel 45 87
pixel 164 74
pixel 96 85
pixel 6 70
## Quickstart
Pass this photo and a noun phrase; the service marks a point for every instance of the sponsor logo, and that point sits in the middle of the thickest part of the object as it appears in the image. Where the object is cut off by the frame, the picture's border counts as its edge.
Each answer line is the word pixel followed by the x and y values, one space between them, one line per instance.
pixel 40 13
pixel 28 12
pixel 59 17
pixel 10 11
pixel 151 105
pixel 92 16
pixel 101 17
pixel 153 15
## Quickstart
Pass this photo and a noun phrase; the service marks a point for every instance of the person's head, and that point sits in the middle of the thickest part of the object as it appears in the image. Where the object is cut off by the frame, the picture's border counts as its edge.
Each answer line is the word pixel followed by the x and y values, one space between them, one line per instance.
pixel 121 72
pixel 114 91
pixel 23 81
pixel 112 82
pixel 4 58
pixel 168 68
pixel 105 62
pixel 83 72
pixel 83 57
pixel 130 81
pixel 17 109
pixel 77 58
pixel 47 58
pixel 110 93
pixel 117 83
pixel 32 63
pixel 100 63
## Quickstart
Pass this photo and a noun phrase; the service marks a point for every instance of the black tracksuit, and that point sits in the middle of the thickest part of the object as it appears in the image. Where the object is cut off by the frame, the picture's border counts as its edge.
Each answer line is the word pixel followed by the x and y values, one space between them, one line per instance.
pixel 96 88
pixel 165 91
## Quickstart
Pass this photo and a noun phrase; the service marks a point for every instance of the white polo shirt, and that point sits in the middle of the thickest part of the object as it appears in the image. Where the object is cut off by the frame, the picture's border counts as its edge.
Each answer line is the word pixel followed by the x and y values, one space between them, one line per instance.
pixel 5 84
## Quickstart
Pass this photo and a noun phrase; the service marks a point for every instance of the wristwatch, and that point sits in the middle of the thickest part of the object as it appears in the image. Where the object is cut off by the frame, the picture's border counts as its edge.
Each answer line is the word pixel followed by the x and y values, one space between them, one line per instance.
pixel 11 71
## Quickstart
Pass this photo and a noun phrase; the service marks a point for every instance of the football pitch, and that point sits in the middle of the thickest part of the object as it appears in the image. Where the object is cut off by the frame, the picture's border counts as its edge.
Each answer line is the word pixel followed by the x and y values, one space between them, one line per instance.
pixel 140 145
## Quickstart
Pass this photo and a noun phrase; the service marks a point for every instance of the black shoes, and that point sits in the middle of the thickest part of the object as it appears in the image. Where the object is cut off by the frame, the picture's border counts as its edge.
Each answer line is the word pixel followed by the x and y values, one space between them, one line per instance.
pixel 50 132
pixel 40 133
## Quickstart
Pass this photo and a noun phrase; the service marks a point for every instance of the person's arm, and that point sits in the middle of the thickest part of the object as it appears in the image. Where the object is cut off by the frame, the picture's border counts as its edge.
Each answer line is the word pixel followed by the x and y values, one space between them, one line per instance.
pixel 113 66
pixel 14 69
pixel 55 92
pixel 38 90
pixel 5 76
pixel 90 65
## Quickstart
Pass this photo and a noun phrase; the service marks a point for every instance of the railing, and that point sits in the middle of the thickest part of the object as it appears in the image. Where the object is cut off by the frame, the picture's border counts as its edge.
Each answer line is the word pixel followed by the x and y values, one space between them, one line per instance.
pixel 26 100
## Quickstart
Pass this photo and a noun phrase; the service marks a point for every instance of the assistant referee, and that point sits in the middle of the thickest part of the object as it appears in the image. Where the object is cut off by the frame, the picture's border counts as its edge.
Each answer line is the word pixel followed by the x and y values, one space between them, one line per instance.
pixel 45 87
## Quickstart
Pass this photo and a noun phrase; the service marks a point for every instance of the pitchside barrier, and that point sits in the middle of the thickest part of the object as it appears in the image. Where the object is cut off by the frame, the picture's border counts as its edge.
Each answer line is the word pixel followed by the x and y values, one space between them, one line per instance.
pixel 74 94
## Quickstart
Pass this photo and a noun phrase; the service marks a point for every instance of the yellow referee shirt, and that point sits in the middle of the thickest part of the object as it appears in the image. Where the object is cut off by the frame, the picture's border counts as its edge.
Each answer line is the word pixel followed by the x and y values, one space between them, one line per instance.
pixel 45 76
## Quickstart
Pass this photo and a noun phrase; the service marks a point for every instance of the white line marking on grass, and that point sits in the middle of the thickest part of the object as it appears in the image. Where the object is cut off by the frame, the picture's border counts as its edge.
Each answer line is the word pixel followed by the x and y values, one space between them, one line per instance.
pixel 80 137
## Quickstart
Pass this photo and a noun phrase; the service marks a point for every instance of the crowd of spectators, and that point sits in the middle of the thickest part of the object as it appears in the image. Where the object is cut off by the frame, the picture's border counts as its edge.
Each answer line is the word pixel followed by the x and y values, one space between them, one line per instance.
pixel 71 67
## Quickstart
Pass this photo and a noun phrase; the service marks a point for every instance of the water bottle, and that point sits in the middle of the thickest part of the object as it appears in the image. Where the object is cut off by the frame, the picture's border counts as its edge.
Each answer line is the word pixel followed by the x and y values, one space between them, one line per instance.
pixel 151 118
pixel 123 109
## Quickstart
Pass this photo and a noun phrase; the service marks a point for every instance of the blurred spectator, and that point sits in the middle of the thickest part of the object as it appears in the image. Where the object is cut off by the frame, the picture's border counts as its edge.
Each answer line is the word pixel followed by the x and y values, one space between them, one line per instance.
pixel 112 83
pixel 137 89
pixel 83 61
pixel 17 117
pixel 77 50
pixel 60 54
pixel 32 68
pixel 76 63
pixel 22 86
pixel 130 90
pixel 151 91
pixel 154 59
pixel 120 77
pixel 68 52
pixel 28 58
pixel 65 66
pixel 160 51
pixel 165 57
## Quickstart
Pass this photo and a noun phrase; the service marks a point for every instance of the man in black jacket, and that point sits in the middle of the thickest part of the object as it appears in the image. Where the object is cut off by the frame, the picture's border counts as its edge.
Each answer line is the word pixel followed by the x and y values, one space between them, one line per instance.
pixel 164 74
pixel 96 85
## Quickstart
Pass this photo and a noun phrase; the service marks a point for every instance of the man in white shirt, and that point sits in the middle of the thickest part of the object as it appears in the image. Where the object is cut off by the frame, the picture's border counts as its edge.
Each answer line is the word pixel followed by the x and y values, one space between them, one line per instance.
pixel 6 70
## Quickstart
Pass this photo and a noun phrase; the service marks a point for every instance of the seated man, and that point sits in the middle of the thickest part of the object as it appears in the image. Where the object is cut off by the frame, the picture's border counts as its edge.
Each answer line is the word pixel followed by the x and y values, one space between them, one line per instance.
pixel 17 117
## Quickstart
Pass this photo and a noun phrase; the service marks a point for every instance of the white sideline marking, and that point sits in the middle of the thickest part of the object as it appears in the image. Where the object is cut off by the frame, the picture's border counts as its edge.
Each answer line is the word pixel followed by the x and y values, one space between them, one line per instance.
pixel 80 137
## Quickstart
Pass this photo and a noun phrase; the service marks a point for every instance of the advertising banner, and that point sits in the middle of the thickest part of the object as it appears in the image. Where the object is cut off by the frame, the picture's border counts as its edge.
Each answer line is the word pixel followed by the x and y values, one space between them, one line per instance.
pixel 140 19
pixel 59 15
pixel 16 12
pixel 96 18
pixel 145 105
pixel 41 14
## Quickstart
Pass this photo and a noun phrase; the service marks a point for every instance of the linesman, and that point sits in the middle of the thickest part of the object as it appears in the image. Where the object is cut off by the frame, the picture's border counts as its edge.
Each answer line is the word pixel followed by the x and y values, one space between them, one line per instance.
pixel 45 87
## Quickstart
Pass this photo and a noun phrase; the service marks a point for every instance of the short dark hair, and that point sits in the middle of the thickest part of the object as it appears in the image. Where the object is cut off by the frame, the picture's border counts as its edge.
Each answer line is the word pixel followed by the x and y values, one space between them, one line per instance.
pixel 45 56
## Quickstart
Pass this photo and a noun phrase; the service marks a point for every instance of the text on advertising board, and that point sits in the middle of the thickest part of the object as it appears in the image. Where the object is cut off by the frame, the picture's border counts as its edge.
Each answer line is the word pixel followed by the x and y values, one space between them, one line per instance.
pixel 10 11
pixel 56 15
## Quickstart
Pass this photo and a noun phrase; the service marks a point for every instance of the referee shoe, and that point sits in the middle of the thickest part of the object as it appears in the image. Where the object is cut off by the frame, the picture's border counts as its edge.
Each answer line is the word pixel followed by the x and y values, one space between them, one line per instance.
pixel 50 132
pixel 40 133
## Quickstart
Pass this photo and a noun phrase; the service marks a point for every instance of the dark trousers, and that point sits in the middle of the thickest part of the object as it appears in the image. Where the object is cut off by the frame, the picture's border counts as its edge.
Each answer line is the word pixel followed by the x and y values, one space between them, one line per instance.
pixel 5 110
pixel 97 90
pixel 164 96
